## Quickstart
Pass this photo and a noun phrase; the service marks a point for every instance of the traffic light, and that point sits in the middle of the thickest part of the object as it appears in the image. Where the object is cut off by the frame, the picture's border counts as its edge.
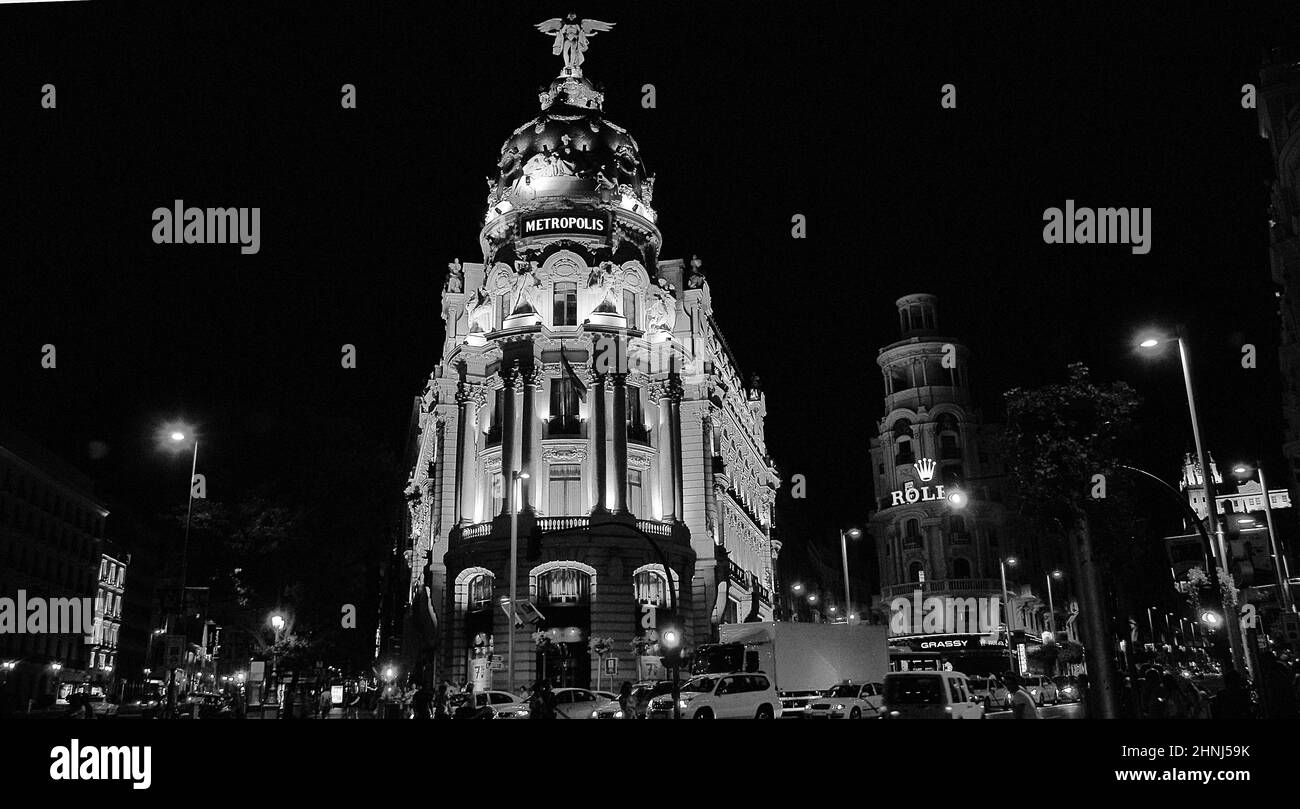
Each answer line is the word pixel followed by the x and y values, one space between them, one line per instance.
pixel 670 643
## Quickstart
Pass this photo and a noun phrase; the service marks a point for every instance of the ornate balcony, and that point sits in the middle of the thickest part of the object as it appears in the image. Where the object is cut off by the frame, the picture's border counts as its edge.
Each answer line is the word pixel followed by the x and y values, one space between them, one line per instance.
pixel 952 587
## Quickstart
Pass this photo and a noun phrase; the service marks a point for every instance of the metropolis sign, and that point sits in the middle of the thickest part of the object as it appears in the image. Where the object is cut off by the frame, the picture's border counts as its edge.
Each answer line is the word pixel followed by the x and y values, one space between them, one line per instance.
pixel 570 223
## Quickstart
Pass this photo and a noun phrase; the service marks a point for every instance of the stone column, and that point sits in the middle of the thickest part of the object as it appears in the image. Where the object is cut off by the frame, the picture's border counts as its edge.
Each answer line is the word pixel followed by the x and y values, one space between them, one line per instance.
pixel 675 434
pixel 598 409
pixel 530 436
pixel 466 457
pixel 620 443
pixel 664 443
pixel 509 430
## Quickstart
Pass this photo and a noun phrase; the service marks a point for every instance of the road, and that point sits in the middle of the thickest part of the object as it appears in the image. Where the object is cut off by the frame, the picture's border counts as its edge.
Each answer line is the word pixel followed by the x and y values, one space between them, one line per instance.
pixel 1068 710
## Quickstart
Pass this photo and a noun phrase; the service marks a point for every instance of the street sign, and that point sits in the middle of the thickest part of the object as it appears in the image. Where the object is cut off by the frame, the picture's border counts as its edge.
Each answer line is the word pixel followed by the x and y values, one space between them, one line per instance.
pixel 497 663
pixel 173 651
pixel 611 666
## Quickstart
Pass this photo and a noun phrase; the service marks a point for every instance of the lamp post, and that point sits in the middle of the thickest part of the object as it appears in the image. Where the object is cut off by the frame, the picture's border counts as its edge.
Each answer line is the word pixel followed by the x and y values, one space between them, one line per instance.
pixel 1051 605
pixel 515 477
pixel 1006 607
pixel 1211 504
pixel 277 623
pixel 844 556
pixel 1281 569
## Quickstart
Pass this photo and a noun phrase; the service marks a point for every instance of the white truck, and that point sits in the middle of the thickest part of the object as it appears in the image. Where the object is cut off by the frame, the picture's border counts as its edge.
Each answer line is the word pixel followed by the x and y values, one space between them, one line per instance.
pixel 803 659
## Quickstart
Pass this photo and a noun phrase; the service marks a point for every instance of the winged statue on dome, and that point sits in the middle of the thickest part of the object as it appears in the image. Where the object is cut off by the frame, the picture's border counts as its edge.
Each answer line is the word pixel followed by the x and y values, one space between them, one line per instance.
pixel 571 34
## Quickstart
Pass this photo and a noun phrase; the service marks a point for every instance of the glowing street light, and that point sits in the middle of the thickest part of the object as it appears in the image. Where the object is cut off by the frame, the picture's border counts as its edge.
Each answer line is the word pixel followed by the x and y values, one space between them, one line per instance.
pixel 957 498
pixel 844 556
pixel 1006 608
pixel 1150 341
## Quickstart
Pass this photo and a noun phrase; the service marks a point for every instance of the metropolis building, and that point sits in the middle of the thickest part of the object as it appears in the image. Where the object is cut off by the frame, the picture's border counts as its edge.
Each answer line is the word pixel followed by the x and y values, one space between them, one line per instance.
pixel 575 355
pixel 931 441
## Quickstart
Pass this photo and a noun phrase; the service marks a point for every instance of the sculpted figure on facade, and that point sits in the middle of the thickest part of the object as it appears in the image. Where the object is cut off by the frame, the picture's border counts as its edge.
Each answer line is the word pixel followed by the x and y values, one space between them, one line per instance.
pixel 478 311
pixel 526 289
pixel 455 276
pixel 661 311
pixel 571 36
pixel 608 283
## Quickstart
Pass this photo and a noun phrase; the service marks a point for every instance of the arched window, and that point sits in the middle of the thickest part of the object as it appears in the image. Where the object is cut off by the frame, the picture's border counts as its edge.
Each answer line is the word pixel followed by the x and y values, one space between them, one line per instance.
pixel 564 586
pixel 650 587
pixel 960 568
pixel 903 442
pixel 912 531
pixel 480 592
pixel 946 427
pixel 914 571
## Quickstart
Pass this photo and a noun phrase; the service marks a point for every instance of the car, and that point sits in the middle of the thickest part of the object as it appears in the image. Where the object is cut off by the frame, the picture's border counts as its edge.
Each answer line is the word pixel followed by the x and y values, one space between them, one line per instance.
pixel 578 703
pixel 740 695
pixel 642 693
pixel 486 705
pixel 930 695
pixel 992 691
pixel 206 706
pixel 1067 688
pixel 1041 688
pixel 847 701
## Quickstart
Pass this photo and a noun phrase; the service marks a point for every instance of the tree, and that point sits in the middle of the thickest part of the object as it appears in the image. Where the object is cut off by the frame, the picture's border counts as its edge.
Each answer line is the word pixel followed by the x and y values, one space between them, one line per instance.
pixel 1059 446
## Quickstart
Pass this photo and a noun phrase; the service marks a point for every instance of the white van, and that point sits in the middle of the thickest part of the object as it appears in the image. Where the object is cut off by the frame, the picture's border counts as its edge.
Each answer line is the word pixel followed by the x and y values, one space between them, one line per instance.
pixel 930 695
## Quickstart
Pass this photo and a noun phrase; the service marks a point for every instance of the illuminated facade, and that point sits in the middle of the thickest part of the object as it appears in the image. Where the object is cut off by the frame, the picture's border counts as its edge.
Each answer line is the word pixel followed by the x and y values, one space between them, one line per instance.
pixel 102 662
pixel 931 442
pixel 1279 112
pixel 575 354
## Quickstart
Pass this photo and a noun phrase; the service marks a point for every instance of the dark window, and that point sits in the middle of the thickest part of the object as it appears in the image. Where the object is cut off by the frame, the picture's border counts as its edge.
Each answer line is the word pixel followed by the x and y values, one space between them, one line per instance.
pixel 566 304
pixel 960 569
pixel 636 430
pixel 480 592
pixel 564 408
pixel 629 307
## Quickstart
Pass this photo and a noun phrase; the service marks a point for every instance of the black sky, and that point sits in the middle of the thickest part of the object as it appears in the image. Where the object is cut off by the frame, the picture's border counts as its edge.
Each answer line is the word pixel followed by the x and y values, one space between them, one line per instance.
pixel 763 111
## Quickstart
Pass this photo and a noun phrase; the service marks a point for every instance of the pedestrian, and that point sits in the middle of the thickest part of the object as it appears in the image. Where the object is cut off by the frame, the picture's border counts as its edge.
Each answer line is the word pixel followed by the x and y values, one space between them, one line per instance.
pixel 440 700
pixel 1022 703
pixel 541 705
pixel 422 703
pixel 1176 703
pixel 626 705
pixel 1151 695
pixel 326 702
pixel 1233 702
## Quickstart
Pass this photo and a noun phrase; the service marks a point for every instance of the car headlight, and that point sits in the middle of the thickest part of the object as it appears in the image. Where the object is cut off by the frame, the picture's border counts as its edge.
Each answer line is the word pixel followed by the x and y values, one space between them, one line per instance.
pixel 618 714
pixel 595 714
pixel 681 703
pixel 838 706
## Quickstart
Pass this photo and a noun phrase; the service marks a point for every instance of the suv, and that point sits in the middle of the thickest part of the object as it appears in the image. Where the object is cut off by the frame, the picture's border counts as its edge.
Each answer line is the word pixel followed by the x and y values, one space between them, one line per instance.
pixel 847 700
pixel 930 695
pixel 747 695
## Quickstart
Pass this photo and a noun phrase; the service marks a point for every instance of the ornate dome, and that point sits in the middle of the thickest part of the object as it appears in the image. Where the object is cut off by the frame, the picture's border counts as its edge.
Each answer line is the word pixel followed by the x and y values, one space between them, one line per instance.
pixel 571 152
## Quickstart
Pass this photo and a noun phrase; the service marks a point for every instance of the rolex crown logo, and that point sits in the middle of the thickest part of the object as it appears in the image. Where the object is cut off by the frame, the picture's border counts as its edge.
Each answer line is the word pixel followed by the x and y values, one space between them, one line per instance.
pixel 924 469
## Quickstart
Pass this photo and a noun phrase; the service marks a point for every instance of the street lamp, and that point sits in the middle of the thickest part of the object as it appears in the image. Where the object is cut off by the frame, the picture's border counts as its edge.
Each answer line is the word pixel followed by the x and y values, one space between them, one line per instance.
pixel 1211 504
pixel 515 477
pixel 1006 607
pixel 1281 569
pixel 1051 605
pixel 844 556
pixel 178 435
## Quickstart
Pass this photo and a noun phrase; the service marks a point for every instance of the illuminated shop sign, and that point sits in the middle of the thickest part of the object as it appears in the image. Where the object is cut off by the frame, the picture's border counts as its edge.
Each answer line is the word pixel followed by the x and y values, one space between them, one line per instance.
pixel 940 643
pixel 911 493
pixel 580 223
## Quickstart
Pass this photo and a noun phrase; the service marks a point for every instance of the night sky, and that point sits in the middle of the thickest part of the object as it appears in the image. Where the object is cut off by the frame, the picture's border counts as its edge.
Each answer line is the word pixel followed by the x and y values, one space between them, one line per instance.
pixel 763 111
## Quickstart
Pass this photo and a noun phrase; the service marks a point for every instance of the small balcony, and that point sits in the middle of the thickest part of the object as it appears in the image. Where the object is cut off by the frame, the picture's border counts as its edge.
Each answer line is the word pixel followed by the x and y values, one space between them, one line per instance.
pixel 564 427
pixel 962 588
